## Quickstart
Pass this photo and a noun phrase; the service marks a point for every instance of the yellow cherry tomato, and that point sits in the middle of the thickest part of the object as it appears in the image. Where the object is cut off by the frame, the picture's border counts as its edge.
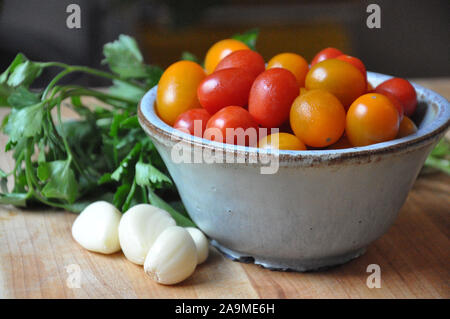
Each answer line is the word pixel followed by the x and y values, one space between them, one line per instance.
pixel 220 50
pixel 407 127
pixel 292 62
pixel 338 77
pixel 281 141
pixel 317 118
pixel 177 90
pixel 372 118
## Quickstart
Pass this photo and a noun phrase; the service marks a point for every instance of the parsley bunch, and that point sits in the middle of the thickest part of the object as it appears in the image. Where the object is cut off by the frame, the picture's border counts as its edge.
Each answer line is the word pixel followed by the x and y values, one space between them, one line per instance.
pixel 104 154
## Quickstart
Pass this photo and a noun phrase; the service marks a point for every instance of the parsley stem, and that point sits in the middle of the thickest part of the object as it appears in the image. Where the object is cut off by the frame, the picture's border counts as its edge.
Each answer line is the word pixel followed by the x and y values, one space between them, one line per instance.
pixel 85 69
pixel 53 83
pixel 71 158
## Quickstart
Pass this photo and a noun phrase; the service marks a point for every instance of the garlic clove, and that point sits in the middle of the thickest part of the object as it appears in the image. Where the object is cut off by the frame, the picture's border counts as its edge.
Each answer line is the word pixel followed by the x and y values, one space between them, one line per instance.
pixel 201 243
pixel 172 258
pixel 96 228
pixel 139 228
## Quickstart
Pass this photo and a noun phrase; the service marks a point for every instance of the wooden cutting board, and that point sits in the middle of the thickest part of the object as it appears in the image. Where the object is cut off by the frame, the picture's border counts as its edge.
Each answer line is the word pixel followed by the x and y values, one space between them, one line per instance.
pixel 39 258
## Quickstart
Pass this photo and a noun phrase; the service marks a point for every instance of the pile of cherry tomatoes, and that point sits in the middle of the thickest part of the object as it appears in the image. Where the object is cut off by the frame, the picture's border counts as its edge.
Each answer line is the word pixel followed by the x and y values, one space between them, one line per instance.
pixel 327 104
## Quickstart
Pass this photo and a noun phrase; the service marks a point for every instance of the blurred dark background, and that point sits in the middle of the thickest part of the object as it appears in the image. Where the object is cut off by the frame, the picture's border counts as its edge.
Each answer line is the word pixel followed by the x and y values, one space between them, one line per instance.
pixel 413 40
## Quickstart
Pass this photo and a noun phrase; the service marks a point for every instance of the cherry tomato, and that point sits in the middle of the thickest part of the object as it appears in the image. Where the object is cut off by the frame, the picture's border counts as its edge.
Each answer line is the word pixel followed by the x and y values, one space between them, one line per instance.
pixel 403 91
pixel 342 143
pixel 281 141
pixel 325 54
pixel 248 60
pixel 224 88
pixel 369 87
pixel 271 96
pixel 220 50
pixel 193 121
pixel 317 118
pixel 292 62
pixel 337 77
pixel 407 127
pixel 242 128
pixel 396 103
pixel 372 118
pixel 177 90
pixel 303 91
pixel 357 63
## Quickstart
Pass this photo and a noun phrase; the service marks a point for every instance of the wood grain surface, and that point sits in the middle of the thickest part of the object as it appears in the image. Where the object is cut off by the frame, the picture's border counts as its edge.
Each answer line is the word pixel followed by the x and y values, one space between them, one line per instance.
pixel 38 255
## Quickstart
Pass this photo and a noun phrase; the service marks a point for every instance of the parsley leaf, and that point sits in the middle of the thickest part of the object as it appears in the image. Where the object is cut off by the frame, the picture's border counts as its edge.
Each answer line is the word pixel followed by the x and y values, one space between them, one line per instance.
pixel 124 58
pixel 19 59
pixel 24 74
pixel 180 219
pixel 188 56
pixel 25 122
pixel 22 97
pixel 249 38
pixel 148 175
pixel 61 182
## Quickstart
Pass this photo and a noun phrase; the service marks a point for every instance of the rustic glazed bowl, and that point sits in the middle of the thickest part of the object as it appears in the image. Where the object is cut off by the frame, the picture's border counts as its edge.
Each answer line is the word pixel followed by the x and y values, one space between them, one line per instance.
pixel 321 208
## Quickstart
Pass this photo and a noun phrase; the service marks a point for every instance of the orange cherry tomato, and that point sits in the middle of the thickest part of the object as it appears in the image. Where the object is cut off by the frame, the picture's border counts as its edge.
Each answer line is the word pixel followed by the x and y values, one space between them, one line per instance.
pixel 407 127
pixel 193 121
pixel 396 103
pixel 303 91
pixel 372 118
pixel 224 88
pixel 325 54
pixel 337 77
pixel 292 62
pixel 238 120
pixel 342 143
pixel 403 91
pixel 177 90
pixel 250 61
pixel 220 50
pixel 317 118
pixel 357 63
pixel 271 97
pixel 281 141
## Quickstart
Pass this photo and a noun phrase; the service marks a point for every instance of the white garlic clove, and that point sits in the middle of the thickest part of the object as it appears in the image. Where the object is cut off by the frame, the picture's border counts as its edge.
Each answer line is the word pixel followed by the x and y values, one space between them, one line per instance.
pixel 172 258
pixel 139 228
pixel 96 228
pixel 201 242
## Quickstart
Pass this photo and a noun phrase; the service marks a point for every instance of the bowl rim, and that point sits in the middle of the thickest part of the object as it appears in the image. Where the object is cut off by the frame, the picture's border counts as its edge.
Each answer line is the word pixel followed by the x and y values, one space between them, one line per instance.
pixel 155 127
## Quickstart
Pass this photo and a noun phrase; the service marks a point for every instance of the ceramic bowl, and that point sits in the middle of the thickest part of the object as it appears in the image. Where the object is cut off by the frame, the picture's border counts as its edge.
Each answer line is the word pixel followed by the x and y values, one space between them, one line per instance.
pixel 321 208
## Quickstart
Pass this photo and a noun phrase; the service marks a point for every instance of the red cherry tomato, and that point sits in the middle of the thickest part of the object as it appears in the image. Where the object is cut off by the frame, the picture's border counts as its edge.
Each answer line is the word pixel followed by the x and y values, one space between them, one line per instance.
pixel 357 63
pixel 223 88
pixel 193 121
pixel 249 60
pixel 271 97
pixel 403 91
pixel 325 54
pixel 242 128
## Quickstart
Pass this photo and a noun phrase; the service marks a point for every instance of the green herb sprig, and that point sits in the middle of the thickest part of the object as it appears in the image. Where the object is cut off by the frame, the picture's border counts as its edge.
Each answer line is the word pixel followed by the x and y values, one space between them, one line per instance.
pixel 102 155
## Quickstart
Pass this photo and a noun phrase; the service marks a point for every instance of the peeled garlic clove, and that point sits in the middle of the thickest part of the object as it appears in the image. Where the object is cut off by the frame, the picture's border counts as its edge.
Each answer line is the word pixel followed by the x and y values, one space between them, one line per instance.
pixel 139 228
pixel 96 228
pixel 172 258
pixel 201 243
